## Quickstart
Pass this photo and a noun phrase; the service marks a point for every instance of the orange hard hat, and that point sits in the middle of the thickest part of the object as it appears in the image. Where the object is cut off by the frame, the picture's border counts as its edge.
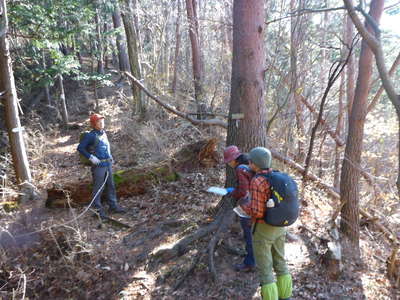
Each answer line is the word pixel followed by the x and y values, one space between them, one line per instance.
pixel 94 118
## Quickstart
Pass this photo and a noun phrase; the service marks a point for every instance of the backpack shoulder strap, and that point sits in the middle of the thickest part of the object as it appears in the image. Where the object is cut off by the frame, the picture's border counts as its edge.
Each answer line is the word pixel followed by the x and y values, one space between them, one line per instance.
pixel 266 176
pixel 96 138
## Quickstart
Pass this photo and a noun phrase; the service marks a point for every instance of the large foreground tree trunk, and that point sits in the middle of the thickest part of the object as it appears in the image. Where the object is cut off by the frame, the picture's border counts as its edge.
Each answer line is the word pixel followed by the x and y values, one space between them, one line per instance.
pixel 349 182
pixel 247 116
pixel 9 94
pixel 247 112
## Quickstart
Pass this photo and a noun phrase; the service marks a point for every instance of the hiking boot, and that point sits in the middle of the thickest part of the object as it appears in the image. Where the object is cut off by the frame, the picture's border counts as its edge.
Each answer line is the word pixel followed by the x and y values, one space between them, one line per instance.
pixel 101 213
pixel 243 268
pixel 117 209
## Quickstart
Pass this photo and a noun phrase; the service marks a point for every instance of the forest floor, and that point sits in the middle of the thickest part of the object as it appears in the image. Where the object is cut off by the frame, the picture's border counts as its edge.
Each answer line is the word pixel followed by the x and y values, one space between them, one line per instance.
pixel 87 259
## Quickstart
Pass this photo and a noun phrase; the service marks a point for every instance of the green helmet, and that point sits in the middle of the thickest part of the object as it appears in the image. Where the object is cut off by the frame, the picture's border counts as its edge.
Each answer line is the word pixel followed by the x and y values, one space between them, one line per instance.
pixel 261 157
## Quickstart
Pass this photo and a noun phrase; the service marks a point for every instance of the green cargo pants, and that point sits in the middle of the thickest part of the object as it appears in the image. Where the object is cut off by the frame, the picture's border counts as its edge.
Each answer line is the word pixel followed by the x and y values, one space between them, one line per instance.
pixel 269 252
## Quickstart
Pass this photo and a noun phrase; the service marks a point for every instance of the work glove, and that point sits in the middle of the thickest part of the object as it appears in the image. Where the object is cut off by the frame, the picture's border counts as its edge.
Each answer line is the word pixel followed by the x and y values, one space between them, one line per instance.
pixel 94 160
pixel 230 189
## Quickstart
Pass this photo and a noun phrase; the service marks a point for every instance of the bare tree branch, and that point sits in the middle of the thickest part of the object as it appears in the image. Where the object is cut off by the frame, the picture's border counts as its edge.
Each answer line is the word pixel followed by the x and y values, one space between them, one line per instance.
pixel 304 11
pixel 369 19
pixel 378 94
pixel 391 6
pixel 310 107
pixel 333 76
pixel 370 39
pixel 210 122
pixel 376 47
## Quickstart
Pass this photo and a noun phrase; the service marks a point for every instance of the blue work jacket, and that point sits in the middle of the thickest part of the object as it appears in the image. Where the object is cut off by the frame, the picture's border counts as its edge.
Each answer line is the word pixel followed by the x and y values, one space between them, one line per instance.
pixel 102 149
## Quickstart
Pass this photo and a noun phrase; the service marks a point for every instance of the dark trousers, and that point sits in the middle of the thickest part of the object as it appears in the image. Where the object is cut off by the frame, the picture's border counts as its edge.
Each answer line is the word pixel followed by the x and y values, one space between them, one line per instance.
pixel 247 234
pixel 99 176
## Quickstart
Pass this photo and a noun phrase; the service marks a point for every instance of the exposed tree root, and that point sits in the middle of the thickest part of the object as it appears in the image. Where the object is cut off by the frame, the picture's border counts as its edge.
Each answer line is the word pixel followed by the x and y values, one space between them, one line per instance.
pixel 196 260
pixel 218 227
pixel 394 267
pixel 181 247
pixel 226 221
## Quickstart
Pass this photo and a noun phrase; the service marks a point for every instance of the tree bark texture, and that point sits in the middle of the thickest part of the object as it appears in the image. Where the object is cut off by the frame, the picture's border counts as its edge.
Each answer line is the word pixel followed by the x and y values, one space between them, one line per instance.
pixel 296 37
pixel 46 86
pixel 132 40
pixel 338 132
pixel 349 185
pixel 177 47
pixel 8 94
pixel 247 87
pixel 100 46
pixel 64 111
pixel 350 83
pixel 378 94
pixel 123 59
pixel 196 56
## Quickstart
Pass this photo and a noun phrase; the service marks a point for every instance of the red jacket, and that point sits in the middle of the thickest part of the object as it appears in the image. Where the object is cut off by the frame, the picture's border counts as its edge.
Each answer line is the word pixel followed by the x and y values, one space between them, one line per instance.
pixel 243 178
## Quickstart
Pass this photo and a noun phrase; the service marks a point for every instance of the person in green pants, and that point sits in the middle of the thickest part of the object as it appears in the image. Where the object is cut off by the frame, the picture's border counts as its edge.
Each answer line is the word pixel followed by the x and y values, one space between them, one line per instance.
pixel 268 241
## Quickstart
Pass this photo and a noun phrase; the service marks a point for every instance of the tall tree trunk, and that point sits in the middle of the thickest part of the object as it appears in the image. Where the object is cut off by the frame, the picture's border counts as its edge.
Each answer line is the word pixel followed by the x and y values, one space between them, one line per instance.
pixel 120 40
pixel 247 86
pixel 64 111
pixel 196 56
pixel 296 35
pixel 158 68
pixel 99 54
pixel 177 47
pixel 132 43
pixel 105 45
pixel 350 67
pixel 166 59
pixel 100 47
pixel 46 85
pixel 135 15
pixel 338 132
pixel 374 42
pixel 340 116
pixel 349 185
pixel 8 93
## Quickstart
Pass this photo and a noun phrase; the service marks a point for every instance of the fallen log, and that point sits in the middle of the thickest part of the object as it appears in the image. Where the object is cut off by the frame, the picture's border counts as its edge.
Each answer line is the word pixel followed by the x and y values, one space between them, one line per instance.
pixel 128 183
pixel 136 181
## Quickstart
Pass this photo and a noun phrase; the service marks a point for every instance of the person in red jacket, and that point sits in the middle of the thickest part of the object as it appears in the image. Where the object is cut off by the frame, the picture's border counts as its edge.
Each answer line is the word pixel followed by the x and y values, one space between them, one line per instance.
pixel 239 162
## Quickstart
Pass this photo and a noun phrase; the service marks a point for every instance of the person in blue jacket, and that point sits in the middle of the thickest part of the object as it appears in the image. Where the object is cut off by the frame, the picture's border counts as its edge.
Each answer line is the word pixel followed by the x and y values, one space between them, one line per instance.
pixel 101 159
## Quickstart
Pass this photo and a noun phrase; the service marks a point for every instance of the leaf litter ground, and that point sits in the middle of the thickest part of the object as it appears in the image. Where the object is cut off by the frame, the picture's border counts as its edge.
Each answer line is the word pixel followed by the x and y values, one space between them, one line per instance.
pixel 87 259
